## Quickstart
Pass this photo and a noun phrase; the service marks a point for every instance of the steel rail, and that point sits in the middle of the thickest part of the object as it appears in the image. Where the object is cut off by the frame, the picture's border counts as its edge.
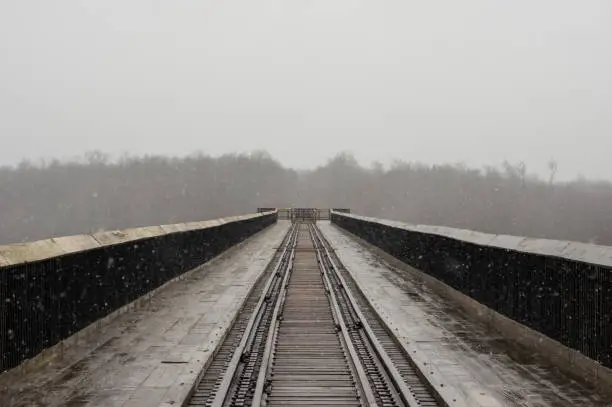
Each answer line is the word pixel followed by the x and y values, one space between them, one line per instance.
pixel 310 362
pixel 267 358
pixel 398 381
pixel 346 342
pixel 382 383
pixel 210 378
pixel 223 391
pixel 363 378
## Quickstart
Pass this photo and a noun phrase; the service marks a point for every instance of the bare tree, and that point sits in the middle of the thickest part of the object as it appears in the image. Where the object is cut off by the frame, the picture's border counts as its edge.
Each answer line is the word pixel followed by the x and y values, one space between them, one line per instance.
pixel 552 166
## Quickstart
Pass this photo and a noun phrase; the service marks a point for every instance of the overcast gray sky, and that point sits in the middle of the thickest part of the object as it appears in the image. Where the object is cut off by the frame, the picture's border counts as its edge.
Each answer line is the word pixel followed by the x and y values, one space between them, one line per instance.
pixel 477 81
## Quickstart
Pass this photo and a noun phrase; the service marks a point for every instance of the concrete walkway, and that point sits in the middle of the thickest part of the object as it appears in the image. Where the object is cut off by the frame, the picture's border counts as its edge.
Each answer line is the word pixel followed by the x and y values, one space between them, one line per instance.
pixel 476 366
pixel 151 356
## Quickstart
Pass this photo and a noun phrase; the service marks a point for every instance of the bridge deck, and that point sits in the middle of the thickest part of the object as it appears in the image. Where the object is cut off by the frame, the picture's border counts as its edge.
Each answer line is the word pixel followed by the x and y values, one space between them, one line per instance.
pixel 152 355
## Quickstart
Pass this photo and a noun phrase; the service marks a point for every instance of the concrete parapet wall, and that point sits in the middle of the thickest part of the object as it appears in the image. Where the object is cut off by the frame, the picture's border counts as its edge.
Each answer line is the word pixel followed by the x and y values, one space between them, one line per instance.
pixel 54 288
pixel 554 297
pixel 17 253
pixel 576 251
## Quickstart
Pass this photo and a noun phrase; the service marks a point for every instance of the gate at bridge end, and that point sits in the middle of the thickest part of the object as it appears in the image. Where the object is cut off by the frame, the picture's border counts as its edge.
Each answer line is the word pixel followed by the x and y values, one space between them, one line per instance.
pixel 311 215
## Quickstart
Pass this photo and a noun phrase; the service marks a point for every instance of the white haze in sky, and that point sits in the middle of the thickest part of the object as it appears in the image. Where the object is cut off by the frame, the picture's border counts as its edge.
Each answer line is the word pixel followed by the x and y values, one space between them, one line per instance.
pixel 475 81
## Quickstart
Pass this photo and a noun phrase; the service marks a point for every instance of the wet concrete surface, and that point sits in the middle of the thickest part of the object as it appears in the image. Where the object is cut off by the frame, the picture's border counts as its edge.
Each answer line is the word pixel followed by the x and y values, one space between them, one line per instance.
pixel 483 368
pixel 150 356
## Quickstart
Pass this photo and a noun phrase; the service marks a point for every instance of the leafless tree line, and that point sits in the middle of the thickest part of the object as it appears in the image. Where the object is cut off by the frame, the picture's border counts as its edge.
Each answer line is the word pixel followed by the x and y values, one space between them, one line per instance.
pixel 96 193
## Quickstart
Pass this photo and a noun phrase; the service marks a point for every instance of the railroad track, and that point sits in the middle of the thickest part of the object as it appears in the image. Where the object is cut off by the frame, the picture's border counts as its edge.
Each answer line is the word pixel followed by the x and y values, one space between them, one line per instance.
pixel 307 336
